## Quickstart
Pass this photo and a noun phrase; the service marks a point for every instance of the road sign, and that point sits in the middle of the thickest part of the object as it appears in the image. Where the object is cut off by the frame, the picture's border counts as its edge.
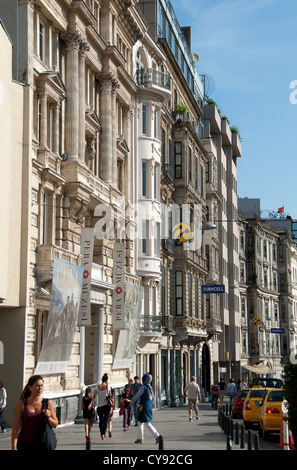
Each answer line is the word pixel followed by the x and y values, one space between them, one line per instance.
pixel 285 406
pixel 257 320
pixel 213 289
pixel 280 331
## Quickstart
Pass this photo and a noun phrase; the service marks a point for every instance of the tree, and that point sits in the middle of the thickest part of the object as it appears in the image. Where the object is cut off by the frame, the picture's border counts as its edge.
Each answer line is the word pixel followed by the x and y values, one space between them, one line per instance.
pixel 290 386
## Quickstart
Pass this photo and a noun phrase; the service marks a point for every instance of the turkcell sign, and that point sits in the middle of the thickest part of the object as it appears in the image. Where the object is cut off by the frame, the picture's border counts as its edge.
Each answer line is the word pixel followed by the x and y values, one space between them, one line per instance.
pixel 213 289
pixel 280 331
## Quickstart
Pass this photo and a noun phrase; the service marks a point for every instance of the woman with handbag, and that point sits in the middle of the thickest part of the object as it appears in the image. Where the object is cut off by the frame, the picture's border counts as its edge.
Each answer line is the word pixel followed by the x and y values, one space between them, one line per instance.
pixel 88 410
pixel 145 409
pixel 103 391
pixel 31 413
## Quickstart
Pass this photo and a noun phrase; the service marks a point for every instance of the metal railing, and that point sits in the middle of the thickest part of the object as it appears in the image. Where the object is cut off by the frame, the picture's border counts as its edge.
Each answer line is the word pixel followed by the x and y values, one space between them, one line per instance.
pixel 150 323
pixel 148 77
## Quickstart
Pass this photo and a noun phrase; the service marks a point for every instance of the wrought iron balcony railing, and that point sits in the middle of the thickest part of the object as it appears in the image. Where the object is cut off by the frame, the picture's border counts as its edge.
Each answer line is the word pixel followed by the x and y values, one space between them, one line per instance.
pixel 153 77
pixel 150 324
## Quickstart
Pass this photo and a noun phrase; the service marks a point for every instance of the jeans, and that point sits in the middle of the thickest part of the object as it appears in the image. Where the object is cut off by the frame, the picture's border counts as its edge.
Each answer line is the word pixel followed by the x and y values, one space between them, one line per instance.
pixel 103 413
pixel 2 423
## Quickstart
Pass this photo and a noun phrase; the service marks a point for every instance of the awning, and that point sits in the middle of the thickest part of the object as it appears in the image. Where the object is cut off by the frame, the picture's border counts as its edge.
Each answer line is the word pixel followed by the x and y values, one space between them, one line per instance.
pixel 253 369
pixel 259 369
pixel 266 369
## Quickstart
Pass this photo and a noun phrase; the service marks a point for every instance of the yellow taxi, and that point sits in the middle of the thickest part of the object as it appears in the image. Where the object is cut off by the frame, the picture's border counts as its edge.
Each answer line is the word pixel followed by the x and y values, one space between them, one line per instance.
pixel 250 408
pixel 270 413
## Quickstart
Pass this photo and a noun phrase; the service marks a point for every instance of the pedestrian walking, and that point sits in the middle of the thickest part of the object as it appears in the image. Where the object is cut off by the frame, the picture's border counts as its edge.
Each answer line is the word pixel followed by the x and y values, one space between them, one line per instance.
pixel 3 399
pixel 192 391
pixel 222 386
pixel 214 393
pixel 145 396
pixel 103 409
pixel 29 416
pixel 231 391
pixel 126 399
pixel 135 388
pixel 88 410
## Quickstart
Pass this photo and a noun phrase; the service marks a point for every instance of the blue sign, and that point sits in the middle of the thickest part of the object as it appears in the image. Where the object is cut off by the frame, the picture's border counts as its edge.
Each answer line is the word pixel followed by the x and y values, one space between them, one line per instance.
pixel 277 330
pixel 213 289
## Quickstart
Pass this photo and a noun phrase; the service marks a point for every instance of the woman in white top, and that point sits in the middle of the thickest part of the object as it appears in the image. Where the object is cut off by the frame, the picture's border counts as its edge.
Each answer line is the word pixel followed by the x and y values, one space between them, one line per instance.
pixel 103 408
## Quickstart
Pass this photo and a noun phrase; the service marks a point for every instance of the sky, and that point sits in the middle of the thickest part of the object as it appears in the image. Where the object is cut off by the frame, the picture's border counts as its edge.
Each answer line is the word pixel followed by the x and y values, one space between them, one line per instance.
pixel 248 51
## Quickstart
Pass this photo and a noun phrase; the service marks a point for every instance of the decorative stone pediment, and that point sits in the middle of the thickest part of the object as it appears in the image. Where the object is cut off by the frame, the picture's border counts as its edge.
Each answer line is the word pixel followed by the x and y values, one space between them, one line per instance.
pixel 52 84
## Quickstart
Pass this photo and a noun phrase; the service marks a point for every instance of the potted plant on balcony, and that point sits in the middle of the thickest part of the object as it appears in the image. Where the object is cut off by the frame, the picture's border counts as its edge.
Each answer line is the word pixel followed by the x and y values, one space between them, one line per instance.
pixel 181 109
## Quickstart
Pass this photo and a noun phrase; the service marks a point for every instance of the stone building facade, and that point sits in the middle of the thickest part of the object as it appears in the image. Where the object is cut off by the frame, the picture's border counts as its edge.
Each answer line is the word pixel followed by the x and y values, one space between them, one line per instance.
pixel 115 137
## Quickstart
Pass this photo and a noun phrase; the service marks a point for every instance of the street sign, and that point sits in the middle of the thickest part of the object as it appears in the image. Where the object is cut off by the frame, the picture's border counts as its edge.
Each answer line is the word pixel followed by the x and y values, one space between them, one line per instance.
pixel 280 331
pixel 285 406
pixel 256 320
pixel 213 289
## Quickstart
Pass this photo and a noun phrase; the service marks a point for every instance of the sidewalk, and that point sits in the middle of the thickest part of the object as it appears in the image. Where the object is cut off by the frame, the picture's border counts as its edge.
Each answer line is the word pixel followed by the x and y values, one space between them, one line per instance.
pixel 172 423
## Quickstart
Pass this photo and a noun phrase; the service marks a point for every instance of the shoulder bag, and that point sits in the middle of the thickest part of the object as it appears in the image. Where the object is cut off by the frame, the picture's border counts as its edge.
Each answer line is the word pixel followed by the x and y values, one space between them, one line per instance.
pixel 48 436
pixel 110 399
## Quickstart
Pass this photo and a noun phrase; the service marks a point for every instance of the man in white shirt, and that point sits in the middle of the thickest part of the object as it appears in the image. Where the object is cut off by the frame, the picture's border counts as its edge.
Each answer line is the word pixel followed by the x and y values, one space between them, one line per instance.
pixel 192 390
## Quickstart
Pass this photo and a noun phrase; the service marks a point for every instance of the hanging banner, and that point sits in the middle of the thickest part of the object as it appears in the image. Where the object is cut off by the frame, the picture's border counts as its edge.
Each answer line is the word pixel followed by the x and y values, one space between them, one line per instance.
pixel 118 297
pixel 62 318
pixel 87 248
pixel 128 337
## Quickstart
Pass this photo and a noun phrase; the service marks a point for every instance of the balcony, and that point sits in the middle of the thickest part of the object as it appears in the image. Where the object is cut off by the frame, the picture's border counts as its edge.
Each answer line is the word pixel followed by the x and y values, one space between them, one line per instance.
pixel 150 325
pixel 45 260
pixel 151 78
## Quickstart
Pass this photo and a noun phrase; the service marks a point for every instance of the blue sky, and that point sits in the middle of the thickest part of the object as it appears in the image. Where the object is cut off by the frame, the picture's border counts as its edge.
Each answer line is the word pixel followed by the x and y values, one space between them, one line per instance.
pixel 248 50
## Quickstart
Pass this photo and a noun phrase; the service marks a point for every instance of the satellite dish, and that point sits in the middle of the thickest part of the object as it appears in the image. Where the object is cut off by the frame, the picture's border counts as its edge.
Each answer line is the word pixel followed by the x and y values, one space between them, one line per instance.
pixel 195 57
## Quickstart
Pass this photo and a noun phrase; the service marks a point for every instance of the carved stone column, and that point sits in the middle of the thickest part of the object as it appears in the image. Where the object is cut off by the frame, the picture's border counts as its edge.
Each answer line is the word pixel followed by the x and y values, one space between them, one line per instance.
pixel 82 132
pixel 72 41
pixel 115 86
pixel 56 136
pixel 127 115
pixel 43 120
pixel 106 129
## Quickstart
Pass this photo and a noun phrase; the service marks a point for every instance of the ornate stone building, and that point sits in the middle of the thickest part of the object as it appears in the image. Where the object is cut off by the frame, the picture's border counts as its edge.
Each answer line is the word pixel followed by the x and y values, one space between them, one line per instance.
pixel 112 134
pixel 74 60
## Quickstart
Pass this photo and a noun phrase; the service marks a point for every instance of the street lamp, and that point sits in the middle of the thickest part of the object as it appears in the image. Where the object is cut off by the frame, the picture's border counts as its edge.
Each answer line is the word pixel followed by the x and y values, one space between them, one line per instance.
pixel 208 226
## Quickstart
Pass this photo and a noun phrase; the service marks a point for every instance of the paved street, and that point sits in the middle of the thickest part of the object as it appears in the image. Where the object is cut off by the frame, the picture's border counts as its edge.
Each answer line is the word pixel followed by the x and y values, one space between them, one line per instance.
pixel 180 435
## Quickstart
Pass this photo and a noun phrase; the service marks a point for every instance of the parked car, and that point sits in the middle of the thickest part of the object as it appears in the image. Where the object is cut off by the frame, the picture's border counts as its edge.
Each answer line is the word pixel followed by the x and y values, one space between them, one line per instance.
pixel 254 398
pixel 267 382
pixel 238 402
pixel 270 412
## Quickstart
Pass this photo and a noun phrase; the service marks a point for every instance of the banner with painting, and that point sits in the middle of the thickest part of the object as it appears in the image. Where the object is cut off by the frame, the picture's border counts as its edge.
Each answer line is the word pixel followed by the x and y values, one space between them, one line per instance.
pixel 62 318
pixel 129 336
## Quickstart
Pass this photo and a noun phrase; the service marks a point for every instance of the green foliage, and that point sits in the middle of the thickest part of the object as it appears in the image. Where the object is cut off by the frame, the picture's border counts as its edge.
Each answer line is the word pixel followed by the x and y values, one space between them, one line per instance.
pixel 290 386
pixel 181 108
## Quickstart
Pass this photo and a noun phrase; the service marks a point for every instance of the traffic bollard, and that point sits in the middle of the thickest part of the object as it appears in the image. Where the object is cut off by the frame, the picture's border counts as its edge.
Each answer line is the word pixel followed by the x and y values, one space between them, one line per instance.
pixel 226 427
pixel 231 429
pixel 88 443
pixel 229 443
pixel 249 439
pixel 237 433
pixel 256 441
pixel 161 442
pixel 242 437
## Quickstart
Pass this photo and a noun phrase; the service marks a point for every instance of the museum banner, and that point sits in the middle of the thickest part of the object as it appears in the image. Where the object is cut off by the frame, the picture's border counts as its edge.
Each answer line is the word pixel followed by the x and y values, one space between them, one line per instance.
pixel 118 297
pixel 62 318
pixel 87 249
pixel 129 336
